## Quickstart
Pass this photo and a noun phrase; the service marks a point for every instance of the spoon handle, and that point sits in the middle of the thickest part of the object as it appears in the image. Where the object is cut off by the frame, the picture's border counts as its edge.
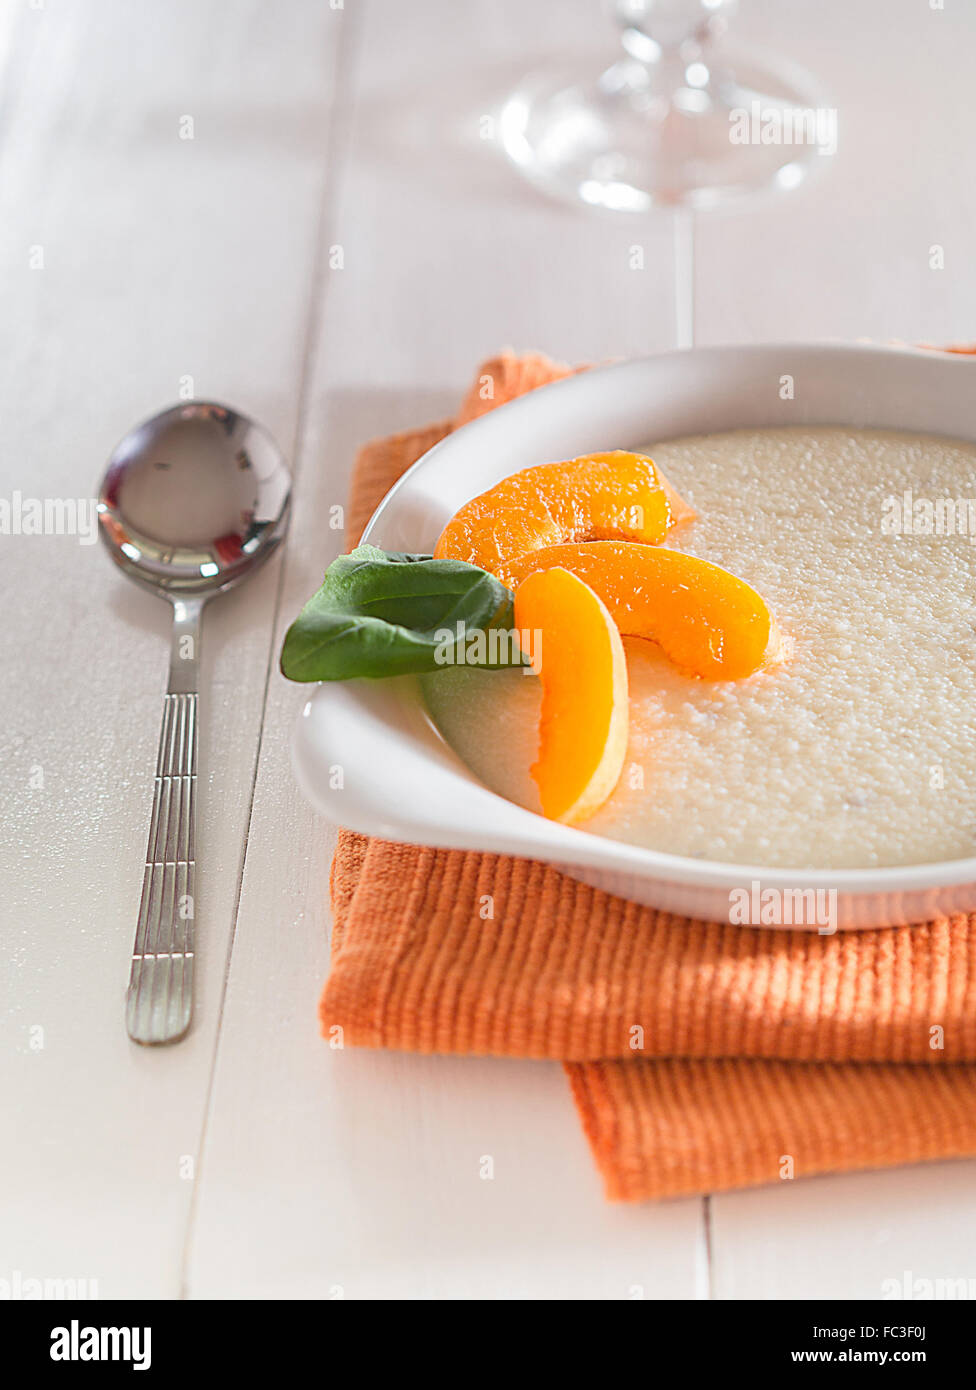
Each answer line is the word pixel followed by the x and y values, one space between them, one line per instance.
pixel 160 997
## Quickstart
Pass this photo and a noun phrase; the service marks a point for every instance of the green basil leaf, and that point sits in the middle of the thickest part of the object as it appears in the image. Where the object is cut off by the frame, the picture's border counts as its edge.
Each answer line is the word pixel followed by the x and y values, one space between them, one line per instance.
pixel 385 613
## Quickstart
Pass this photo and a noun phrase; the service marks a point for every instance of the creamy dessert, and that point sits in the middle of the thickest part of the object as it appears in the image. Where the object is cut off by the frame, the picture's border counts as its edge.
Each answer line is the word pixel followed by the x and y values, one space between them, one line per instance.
pixel 859 750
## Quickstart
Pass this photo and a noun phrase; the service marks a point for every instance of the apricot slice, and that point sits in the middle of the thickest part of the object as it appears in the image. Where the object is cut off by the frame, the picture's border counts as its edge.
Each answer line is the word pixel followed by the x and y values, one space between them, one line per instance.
pixel 708 622
pixel 577 653
pixel 614 496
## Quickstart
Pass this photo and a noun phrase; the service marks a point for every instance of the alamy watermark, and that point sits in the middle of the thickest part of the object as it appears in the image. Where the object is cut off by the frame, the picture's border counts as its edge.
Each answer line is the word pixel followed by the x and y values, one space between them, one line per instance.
pixel 495 646
pixel 911 1289
pixel 909 515
pixel 757 124
pixel 49 516
pixel 20 1287
pixel 78 1342
pixel 757 906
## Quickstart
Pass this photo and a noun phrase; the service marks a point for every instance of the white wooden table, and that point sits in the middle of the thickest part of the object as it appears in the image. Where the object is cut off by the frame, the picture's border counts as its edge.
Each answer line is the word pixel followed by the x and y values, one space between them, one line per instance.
pixel 135 263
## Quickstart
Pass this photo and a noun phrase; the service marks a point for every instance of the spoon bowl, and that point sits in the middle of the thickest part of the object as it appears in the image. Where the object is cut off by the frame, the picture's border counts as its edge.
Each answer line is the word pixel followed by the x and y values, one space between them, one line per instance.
pixel 193 499
pixel 192 502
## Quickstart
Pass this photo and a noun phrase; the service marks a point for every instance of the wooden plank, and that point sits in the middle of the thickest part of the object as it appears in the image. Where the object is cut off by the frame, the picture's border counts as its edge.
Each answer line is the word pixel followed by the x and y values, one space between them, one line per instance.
pixel 357 1175
pixel 855 252
pixel 851 255
pixel 158 259
pixel 849 1236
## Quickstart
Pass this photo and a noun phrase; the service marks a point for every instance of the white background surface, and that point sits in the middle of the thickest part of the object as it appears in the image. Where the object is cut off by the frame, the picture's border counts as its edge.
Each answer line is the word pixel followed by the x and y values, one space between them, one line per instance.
pixel 252 1160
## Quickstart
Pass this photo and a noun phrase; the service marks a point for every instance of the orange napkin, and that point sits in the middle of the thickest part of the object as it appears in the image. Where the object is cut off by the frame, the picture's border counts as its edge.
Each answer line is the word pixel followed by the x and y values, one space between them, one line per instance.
pixel 701 1056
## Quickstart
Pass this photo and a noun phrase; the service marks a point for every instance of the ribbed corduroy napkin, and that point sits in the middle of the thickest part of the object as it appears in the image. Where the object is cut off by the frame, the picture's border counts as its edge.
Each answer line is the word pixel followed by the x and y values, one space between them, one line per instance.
pixel 702 1056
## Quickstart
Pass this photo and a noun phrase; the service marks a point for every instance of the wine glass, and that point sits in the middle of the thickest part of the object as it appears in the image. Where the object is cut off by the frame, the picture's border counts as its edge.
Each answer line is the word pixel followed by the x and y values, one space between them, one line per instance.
pixel 680 119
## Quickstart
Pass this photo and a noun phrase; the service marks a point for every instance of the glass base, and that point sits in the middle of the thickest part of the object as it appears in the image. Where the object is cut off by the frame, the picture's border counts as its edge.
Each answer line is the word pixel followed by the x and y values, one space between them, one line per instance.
pixel 640 136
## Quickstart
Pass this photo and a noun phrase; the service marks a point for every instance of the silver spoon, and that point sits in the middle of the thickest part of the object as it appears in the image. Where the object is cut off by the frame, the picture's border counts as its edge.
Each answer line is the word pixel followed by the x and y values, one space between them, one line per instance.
pixel 192 502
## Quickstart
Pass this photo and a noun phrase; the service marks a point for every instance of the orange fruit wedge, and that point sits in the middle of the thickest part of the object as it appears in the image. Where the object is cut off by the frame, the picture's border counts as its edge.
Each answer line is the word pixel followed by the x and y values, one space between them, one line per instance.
pixel 614 496
pixel 708 622
pixel 578 655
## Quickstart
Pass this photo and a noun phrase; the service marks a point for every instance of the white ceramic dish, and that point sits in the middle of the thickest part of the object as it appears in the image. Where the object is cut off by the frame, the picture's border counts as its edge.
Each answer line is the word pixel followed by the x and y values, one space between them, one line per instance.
pixel 368 756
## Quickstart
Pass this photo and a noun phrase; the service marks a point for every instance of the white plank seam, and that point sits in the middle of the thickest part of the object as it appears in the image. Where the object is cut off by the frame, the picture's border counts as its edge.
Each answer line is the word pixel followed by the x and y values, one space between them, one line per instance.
pixel 317 296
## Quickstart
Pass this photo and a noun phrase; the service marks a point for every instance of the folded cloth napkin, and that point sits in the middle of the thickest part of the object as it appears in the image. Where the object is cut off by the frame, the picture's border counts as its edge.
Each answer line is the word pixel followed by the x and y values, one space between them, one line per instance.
pixel 702 1056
